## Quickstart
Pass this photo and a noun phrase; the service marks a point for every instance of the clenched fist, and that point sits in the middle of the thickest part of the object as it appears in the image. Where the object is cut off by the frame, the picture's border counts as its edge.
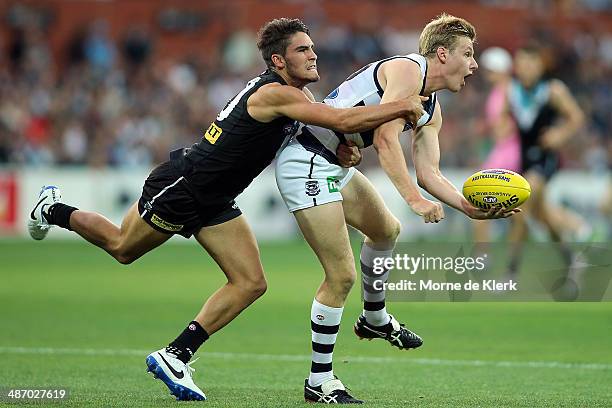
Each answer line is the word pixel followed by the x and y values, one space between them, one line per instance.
pixel 431 211
pixel 348 154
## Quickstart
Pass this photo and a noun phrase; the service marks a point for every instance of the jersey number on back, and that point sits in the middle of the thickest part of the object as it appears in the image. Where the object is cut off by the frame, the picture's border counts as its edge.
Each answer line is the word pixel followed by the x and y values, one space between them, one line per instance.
pixel 232 104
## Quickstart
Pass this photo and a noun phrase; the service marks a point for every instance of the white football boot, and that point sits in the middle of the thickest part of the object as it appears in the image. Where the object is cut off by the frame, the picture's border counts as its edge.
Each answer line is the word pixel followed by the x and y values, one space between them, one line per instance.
pixel 37 224
pixel 175 374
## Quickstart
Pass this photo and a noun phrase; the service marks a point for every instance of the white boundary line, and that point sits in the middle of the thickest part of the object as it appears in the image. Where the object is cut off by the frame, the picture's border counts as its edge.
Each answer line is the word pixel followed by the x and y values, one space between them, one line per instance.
pixel 297 357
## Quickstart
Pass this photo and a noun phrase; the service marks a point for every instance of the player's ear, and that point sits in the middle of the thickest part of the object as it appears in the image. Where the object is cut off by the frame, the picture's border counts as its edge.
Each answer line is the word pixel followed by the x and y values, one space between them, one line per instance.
pixel 278 61
pixel 442 54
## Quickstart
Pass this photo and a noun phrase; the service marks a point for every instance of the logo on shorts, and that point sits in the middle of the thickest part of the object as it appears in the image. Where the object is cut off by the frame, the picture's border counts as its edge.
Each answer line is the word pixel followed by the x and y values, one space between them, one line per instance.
pixel 312 188
pixel 333 184
pixel 192 327
pixel 148 206
pixel 320 317
pixel 165 225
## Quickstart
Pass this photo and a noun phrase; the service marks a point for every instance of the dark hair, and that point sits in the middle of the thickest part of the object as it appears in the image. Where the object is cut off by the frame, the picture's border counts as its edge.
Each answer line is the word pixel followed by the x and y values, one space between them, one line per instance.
pixel 532 48
pixel 544 53
pixel 273 38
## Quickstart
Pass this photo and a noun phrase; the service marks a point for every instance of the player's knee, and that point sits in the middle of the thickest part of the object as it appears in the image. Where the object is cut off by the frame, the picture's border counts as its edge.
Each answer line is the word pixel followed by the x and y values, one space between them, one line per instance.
pixel 346 284
pixel 125 259
pixel 341 284
pixel 394 230
pixel 255 288
pixel 259 287
pixel 388 234
pixel 121 255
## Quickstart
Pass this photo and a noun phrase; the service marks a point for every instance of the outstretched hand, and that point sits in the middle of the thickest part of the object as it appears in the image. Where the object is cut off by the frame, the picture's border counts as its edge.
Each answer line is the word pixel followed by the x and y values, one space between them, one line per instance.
pixel 491 214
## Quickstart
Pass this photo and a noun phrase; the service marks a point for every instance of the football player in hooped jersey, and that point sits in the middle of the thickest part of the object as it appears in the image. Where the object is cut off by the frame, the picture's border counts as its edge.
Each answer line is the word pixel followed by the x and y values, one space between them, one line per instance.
pixel 324 196
pixel 193 193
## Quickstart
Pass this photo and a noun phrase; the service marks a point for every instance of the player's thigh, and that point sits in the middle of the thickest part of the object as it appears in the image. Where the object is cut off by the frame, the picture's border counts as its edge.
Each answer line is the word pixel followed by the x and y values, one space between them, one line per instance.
pixel 365 210
pixel 325 230
pixel 537 182
pixel 233 246
pixel 137 237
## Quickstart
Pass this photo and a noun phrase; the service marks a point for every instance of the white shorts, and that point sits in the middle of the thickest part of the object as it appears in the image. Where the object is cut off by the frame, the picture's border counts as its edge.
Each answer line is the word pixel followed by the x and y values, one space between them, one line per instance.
pixel 306 179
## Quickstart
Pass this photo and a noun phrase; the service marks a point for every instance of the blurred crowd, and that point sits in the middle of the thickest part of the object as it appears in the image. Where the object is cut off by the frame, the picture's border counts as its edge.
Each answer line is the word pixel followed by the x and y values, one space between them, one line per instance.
pixel 109 102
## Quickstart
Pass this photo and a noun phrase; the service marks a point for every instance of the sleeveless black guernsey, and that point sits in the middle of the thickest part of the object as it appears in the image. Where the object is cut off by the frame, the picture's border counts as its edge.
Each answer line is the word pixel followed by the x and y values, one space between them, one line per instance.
pixel 234 150
pixel 533 114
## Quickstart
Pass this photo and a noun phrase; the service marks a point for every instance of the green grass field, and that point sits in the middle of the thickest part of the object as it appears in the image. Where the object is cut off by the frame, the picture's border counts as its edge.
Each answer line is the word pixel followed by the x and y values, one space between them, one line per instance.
pixel 72 317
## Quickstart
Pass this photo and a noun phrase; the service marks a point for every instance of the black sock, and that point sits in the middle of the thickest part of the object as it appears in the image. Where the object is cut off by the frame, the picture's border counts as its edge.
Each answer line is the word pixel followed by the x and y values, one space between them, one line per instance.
pixel 188 342
pixel 59 214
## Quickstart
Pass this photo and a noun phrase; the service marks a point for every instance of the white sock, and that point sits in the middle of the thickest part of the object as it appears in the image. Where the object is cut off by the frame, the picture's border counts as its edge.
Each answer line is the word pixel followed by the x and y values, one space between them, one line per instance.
pixel 374 308
pixel 324 323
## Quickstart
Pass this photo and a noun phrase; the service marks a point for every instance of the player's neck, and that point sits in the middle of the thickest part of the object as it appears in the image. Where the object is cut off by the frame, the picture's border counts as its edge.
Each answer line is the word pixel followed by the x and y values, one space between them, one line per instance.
pixel 434 81
pixel 289 79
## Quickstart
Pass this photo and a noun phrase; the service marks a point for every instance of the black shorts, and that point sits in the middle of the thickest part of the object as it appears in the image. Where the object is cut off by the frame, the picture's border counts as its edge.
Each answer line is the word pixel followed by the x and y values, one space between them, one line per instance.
pixel 168 205
pixel 543 162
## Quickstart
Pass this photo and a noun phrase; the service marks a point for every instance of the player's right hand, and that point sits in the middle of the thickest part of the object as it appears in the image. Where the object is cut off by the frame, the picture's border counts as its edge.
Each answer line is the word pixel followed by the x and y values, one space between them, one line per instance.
pixel 431 211
pixel 415 109
pixel 493 213
pixel 552 138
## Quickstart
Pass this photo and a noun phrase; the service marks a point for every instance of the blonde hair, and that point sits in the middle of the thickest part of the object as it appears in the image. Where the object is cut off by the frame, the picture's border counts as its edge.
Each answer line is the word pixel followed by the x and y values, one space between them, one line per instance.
pixel 443 31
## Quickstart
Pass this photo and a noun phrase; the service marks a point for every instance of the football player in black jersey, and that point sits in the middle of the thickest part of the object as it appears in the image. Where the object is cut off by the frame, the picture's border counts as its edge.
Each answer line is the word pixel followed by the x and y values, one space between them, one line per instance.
pixel 193 193
pixel 546 116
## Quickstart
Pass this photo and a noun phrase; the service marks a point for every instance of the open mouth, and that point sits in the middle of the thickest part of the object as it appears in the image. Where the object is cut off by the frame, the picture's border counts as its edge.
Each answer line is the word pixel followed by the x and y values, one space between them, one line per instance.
pixel 311 68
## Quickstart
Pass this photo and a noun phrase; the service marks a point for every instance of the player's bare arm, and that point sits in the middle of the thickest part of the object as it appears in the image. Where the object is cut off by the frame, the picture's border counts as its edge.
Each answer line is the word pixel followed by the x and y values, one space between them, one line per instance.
pixel 348 153
pixel 401 78
pixel 392 161
pixel 274 100
pixel 571 114
pixel 426 157
pixel 503 126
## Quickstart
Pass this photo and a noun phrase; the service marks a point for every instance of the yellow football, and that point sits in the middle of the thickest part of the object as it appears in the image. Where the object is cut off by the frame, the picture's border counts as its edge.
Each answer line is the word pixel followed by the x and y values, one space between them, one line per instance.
pixel 496 188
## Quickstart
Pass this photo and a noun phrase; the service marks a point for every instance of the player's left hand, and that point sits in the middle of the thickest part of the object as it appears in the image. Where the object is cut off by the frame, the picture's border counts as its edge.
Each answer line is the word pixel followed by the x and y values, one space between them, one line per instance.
pixel 348 154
